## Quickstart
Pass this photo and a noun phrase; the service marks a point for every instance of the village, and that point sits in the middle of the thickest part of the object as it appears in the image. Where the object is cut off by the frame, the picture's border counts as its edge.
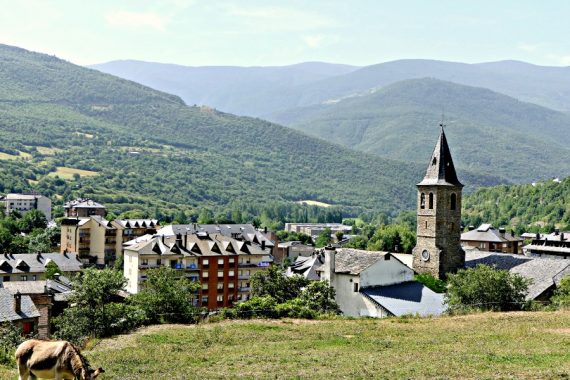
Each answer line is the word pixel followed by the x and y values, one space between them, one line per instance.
pixel 222 258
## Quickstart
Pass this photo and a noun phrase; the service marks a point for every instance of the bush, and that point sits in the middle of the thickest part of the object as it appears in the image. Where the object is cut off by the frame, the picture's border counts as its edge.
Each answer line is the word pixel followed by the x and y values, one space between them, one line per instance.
pixel 486 288
pixel 435 284
pixel 10 339
pixel 264 307
pixel 561 298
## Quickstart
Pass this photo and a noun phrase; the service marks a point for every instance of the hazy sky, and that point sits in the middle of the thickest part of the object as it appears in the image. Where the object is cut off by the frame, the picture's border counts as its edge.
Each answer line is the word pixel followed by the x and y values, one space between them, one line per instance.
pixel 244 32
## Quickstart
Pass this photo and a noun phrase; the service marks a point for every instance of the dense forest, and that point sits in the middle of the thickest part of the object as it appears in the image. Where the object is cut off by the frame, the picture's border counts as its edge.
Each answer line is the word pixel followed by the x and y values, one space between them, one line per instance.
pixel 540 206
pixel 68 131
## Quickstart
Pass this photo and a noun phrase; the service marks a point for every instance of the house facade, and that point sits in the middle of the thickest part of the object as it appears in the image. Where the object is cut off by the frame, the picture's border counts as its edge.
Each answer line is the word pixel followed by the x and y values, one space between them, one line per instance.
pixel 26 202
pixel 222 265
pixel 487 238
pixel 32 267
pixel 83 208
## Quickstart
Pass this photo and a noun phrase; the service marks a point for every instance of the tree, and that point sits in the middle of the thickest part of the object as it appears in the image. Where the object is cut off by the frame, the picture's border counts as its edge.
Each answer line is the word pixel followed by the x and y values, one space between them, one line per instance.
pixel 51 270
pixel 394 238
pixel 319 296
pixel 43 240
pixel 94 311
pixel 339 235
pixel 561 298
pixel 486 288
pixel 274 283
pixel 167 297
pixel 31 220
pixel 323 238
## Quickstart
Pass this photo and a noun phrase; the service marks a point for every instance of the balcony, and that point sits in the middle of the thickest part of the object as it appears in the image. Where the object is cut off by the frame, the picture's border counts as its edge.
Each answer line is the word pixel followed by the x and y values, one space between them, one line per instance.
pixel 244 289
pixel 244 277
pixel 247 265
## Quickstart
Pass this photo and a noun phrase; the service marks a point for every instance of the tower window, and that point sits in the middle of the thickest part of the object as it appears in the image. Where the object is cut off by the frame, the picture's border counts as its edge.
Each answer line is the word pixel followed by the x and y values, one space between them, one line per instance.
pixel 422 201
pixel 430 200
pixel 453 204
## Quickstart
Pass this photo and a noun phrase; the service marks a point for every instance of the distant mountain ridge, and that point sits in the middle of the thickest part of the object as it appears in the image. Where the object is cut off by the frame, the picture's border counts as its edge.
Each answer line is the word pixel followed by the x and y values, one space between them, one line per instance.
pixel 69 131
pixel 543 85
pixel 488 132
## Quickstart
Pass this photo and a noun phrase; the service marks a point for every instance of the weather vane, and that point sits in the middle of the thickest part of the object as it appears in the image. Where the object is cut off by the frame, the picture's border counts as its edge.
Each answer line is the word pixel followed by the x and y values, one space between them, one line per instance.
pixel 442 124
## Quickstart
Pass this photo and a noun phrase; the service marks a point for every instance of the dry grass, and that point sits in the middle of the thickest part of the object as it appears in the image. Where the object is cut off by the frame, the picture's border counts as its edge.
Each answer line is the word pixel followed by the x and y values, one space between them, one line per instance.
pixel 315 203
pixel 47 151
pixel 67 173
pixel 6 156
pixel 482 346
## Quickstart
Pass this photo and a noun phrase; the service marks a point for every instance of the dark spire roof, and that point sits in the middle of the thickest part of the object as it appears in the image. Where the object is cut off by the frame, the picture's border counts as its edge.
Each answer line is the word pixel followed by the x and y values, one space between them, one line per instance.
pixel 440 170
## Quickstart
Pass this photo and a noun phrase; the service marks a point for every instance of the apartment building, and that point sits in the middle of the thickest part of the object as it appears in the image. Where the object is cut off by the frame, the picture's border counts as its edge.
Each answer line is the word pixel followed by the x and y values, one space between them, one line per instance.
pixel 83 208
pixel 98 241
pixel 314 229
pixel 26 202
pixel 32 267
pixel 223 265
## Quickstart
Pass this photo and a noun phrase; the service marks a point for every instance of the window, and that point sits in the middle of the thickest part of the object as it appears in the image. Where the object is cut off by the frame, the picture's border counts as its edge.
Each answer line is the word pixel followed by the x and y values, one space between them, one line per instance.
pixel 205 274
pixel 356 287
pixel 158 262
pixel 204 286
pixel 205 300
pixel 34 277
pixel 453 204
pixel 220 261
pixel 220 285
pixel 423 201
pixel 144 261
pixel 24 278
pixel 220 298
pixel 232 260
pixel 231 273
pixel 220 273
pixel 430 200
pixel 205 262
pixel 231 285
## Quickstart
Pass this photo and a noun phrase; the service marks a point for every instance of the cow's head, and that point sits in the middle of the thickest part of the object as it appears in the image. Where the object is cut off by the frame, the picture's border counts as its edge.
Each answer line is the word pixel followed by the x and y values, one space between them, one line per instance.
pixel 90 374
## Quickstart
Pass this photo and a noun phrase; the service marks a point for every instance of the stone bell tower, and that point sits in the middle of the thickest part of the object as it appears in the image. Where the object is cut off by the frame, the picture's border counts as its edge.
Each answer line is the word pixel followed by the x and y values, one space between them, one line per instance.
pixel 438 249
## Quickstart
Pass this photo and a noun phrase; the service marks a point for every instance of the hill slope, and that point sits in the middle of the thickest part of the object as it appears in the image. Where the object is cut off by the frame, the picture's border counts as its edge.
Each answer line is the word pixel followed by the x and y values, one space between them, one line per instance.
pixel 488 132
pixel 262 91
pixel 524 345
pixel 146 148
pixel 228 88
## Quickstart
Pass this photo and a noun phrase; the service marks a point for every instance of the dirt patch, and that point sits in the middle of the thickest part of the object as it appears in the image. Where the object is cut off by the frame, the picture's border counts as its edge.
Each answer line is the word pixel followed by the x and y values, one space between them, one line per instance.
pixel 563 331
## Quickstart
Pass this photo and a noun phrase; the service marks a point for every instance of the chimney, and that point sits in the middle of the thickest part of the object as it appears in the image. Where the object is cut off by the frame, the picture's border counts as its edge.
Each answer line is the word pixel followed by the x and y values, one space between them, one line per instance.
pixel 179 239
pixel 163 239
pixel 556 231
pixel 502 230
pixel 186 240
pixel 18 302
pixel 471 228
pixel 537 236
pixel 562 236
pixel 263 245
pixel 264 230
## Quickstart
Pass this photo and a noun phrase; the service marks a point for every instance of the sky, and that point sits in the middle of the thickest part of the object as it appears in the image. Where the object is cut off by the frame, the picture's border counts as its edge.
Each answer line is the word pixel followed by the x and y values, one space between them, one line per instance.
pixel 269 33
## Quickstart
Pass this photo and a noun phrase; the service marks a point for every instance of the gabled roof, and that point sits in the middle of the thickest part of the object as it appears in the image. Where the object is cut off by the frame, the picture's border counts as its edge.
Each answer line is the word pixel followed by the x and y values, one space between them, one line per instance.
pixel 67 262
pixel 7 312
pixel 408 298
pixel 486 232
pixel 307 266
pixel 354 261
pixel 544 273
pixel 440 170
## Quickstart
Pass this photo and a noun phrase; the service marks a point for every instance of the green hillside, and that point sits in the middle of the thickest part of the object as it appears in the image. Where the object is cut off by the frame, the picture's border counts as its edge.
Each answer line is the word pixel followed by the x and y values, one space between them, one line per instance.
pixel 534 207
pixel 488 132
pixel 142 148
pixel 529 345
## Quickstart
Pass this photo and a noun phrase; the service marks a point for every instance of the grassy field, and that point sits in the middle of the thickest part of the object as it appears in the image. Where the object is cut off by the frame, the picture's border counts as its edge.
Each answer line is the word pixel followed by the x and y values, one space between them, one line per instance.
pixel 67 173
pixel 6 156
pixel 484 346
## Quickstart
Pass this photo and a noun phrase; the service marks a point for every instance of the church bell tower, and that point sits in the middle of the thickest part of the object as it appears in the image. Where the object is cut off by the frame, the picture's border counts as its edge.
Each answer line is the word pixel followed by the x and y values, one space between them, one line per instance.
pixel 438 249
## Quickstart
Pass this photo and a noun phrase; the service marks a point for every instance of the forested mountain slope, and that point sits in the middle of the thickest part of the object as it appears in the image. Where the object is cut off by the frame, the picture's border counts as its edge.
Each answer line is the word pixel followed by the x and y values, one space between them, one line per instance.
pixel 488 132
pixel 67 131
pixel 228 88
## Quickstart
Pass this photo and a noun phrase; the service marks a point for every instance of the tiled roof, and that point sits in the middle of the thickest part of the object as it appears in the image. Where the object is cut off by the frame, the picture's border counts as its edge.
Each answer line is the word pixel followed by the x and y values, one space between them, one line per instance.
pixel 544 273
pixel 486 232
pixel 7 312
pixel 354 261
pixel 83 203
pixel 35 263
pixel 408 298
pixel 307 266
pixel 246 231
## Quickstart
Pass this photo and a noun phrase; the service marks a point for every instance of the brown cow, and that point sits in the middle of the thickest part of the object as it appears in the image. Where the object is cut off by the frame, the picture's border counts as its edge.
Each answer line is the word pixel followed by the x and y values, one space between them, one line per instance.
pixel 52 360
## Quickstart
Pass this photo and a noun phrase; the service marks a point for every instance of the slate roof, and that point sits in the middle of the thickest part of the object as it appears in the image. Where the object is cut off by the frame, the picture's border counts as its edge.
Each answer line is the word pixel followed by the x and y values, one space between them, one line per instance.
pixel 7 312
pixel 354 261
pixel 35 263
pixel 37 287
pixel 307 266
pixel 486 232
pixel 83 203
pixel 440 170
pixel 407 298
pixel 246 231
pixel 544 273
pixel 137 223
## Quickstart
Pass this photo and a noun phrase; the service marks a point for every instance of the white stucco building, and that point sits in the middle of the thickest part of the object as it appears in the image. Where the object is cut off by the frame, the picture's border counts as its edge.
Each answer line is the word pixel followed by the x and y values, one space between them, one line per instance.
pixel 26 202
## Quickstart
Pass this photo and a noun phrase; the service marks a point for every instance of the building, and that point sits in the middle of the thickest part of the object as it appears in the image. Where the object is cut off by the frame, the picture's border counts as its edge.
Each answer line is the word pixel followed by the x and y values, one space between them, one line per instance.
pixel 291 250
pixel 32 266
pixel 554 245
pixel 26 202
pixel 83 208
pixel 438 249
pixel 487 238
pixel 314 229
pixel 98 241
pixel 310 267
pixel 222 265
pixel 376 284
pixel 19 310
pixel 544 274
